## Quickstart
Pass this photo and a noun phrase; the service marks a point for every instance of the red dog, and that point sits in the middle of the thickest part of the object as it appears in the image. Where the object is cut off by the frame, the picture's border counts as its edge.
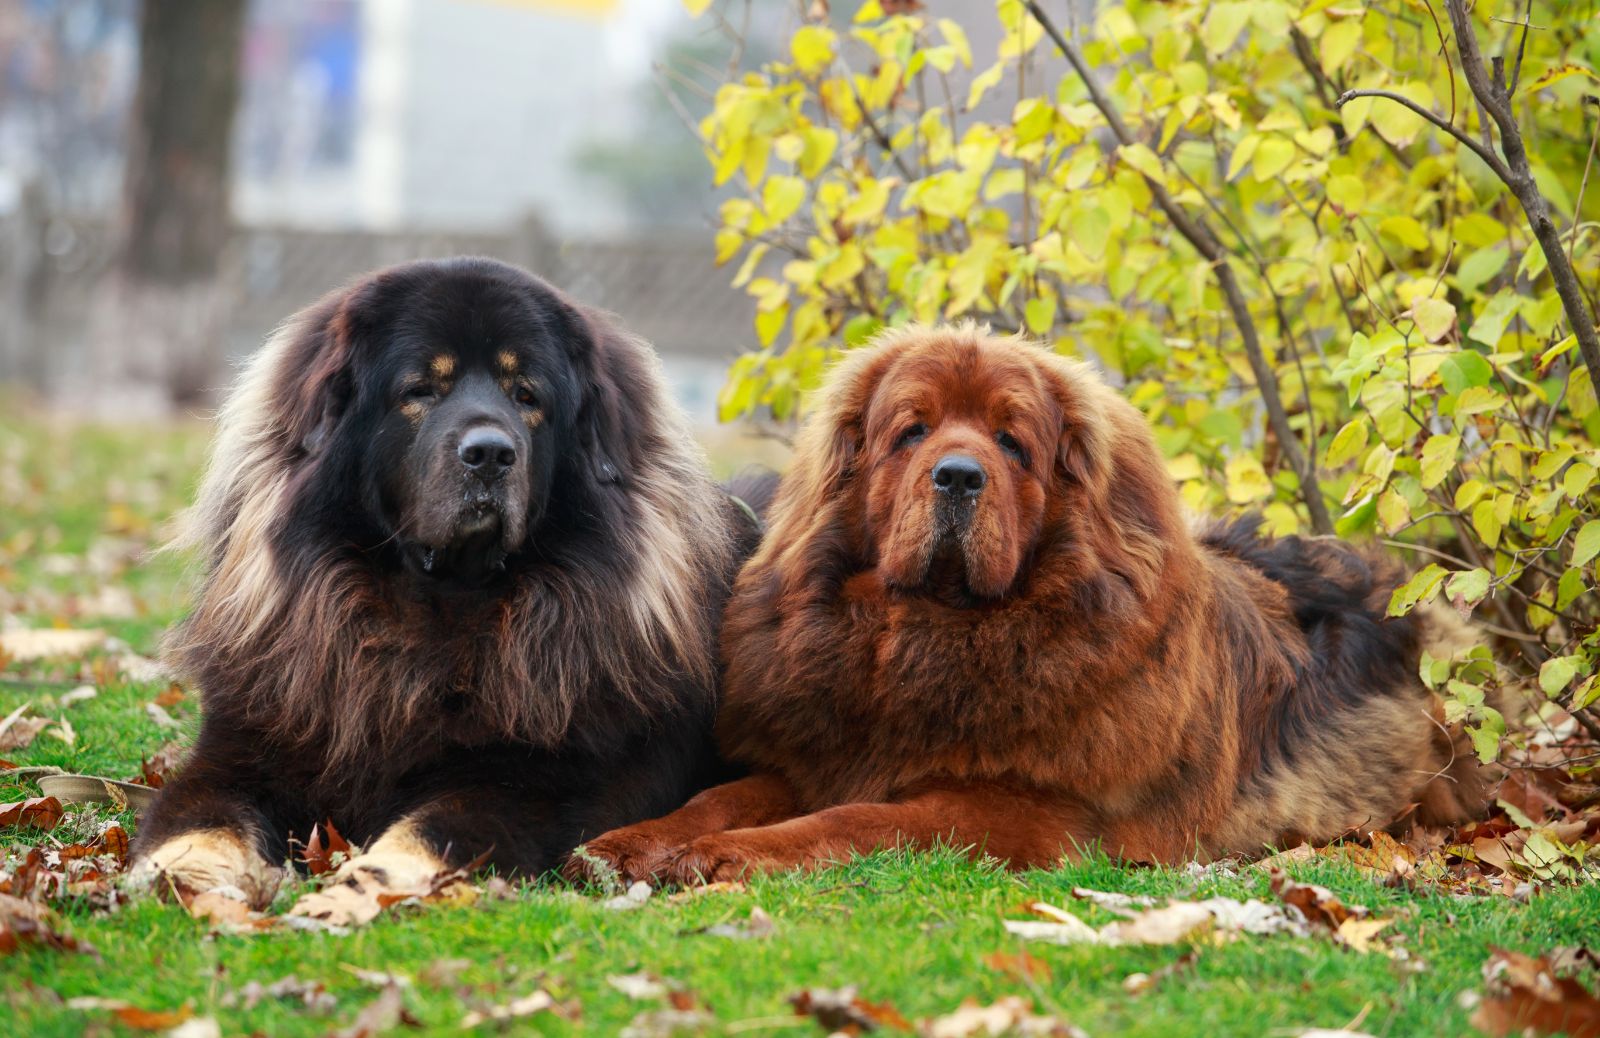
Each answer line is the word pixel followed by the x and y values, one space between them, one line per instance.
pixel 980 617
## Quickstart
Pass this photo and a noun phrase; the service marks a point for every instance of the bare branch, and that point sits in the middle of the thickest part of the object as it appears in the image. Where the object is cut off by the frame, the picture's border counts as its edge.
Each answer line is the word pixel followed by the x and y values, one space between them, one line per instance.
pixel 1200 235
pixel 1490 158
pixel 1519 178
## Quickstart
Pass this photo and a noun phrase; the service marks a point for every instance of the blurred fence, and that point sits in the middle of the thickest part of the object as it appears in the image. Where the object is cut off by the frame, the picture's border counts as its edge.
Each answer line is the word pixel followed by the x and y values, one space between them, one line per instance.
pixel 665 288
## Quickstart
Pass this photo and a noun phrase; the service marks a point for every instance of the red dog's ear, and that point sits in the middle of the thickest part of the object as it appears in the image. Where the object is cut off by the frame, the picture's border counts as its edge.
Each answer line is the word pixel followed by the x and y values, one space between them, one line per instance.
pixel 1083 450
pixel 827 452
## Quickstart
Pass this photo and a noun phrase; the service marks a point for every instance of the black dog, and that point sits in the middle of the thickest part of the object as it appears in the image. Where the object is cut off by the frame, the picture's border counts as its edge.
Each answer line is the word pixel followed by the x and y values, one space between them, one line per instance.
pixel 465 570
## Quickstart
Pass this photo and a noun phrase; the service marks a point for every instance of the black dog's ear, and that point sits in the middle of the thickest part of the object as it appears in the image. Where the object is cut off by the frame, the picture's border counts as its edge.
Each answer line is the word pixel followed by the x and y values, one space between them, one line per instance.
pixel 331 401
pixel 315 369
pixel 608 417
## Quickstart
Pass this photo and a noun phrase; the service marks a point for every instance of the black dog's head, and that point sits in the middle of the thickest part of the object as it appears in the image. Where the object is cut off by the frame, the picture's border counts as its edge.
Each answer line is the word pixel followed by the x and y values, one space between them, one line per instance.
pixel 445 402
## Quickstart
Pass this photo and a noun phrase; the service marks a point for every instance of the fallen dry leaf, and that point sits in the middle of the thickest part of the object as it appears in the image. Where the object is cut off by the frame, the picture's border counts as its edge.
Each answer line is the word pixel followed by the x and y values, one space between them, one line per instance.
pixel 759 926
pixel 384 1013
pixel 77 695
pixel 1007 1016
pixel 28 923
pixel 319 851
pixel 843 1010
pixel 538 1002
pixel 160 716
pixel 1525 996
pixel 639 985
pixel 1020 966
pixel 18 732
pixel 29 644
pixel 669 1023
pixel 33 813
pixel 1139 983
pixel 313 995
pixel 1218 918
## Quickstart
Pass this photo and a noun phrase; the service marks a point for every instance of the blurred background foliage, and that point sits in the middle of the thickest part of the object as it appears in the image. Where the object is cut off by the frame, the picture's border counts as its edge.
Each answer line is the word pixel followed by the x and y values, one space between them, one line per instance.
pixel 1338 314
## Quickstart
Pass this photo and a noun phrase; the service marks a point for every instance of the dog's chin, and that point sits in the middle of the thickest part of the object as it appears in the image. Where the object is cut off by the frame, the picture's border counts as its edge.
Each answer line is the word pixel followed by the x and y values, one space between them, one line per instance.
pixel 950 557
pixel 470 548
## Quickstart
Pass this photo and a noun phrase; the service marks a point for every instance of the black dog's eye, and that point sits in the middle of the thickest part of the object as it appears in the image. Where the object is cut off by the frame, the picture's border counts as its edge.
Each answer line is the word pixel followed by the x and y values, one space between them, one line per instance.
pixel 419 392
pixel 1009 444
pixel 524 397
pixel 911 435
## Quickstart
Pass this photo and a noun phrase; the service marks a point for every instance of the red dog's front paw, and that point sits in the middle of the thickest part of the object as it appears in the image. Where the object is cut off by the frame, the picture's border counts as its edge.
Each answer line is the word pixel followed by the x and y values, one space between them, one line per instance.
pixel 717 858
pixel 626 855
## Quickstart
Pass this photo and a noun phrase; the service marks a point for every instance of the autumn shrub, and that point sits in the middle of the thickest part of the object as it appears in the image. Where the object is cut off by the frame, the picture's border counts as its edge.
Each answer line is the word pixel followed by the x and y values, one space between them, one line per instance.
pixel 1337 308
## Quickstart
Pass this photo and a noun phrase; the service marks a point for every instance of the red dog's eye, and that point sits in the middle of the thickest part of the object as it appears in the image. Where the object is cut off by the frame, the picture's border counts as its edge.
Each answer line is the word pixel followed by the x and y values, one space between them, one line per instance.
pixel 1009 444
pixel 911 435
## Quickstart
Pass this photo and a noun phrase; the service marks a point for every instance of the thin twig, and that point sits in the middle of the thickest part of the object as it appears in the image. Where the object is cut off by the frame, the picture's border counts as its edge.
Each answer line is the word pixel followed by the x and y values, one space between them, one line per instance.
pixel 1489 157
pixel 1205 242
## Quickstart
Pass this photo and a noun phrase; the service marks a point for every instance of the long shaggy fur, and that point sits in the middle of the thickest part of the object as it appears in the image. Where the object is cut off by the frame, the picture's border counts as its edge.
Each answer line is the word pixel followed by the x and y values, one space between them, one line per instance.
pixel 1134 682
pixel 333 687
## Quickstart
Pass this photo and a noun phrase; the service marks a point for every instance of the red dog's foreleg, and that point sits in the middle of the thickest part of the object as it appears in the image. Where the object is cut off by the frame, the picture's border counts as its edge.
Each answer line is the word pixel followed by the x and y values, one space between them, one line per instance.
pixel 637 851
pixel 1021 830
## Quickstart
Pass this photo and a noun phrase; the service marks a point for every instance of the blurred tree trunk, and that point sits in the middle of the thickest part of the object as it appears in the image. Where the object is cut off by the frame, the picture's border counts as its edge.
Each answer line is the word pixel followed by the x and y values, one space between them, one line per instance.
pixel 158 336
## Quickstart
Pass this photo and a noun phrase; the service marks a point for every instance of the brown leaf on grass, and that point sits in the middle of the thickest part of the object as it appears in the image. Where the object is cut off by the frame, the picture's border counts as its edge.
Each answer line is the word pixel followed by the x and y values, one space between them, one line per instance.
pixel 844 1011
pixel 160 716
pixel 152 1019
pixel 1319 905
pixel 172 696
pixel 1007 1016
pixel 539 1001
pixel 381 1015
pixel 757 927
pixel 443 973
pixel 318 852
pixel 161 766
pixel 18 732
pixel 670 1023
pixel 1021 966
pixel 721 886
pixel 1526 997
pixel 113 841
pixel 1217 918
pixel 1139 983
pixel 33 813
pixel 216 906
pixel 29 923
pixel 313 995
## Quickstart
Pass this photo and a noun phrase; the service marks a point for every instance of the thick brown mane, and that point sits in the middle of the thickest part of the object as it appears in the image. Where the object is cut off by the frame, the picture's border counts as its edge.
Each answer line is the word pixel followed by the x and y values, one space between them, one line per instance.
pixel 1183 696
pixel 310 642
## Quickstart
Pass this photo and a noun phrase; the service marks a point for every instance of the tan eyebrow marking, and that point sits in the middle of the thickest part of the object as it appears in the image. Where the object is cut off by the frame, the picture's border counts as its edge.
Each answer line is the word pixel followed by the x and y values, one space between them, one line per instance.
pixel 443 365
pixel 534 419
pixel 508 360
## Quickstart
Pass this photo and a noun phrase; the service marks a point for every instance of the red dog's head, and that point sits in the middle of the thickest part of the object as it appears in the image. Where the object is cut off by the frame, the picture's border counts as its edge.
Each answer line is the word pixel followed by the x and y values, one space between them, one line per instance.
pixel 950 460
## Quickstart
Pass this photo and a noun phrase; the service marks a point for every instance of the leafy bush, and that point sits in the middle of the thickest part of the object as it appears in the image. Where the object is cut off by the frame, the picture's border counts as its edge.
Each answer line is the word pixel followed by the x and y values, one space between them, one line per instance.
pixel 1337 313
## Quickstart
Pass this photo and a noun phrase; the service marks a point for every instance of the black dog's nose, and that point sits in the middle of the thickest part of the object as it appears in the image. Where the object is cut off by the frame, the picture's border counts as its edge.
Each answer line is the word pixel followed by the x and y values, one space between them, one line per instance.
pixel 959 476
pixel 487 451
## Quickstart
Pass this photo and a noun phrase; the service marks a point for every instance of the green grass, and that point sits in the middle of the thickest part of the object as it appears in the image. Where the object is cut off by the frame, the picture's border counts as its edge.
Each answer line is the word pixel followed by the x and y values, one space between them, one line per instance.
pixel 914 931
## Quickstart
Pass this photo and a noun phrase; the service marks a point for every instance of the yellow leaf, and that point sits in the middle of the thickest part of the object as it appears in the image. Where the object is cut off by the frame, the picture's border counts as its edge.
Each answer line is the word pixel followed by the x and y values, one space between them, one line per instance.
pixel 956 37
pixel 1339 42
pixel 1348 192
pixel 696 8
pixel 1396 123
pixel 1141 158
pixel 781 196
pixel 1243 152
pixel 812 48
pixel 1272 157
pixel 1246 480
pixel 1435 318
pixel 1223 24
